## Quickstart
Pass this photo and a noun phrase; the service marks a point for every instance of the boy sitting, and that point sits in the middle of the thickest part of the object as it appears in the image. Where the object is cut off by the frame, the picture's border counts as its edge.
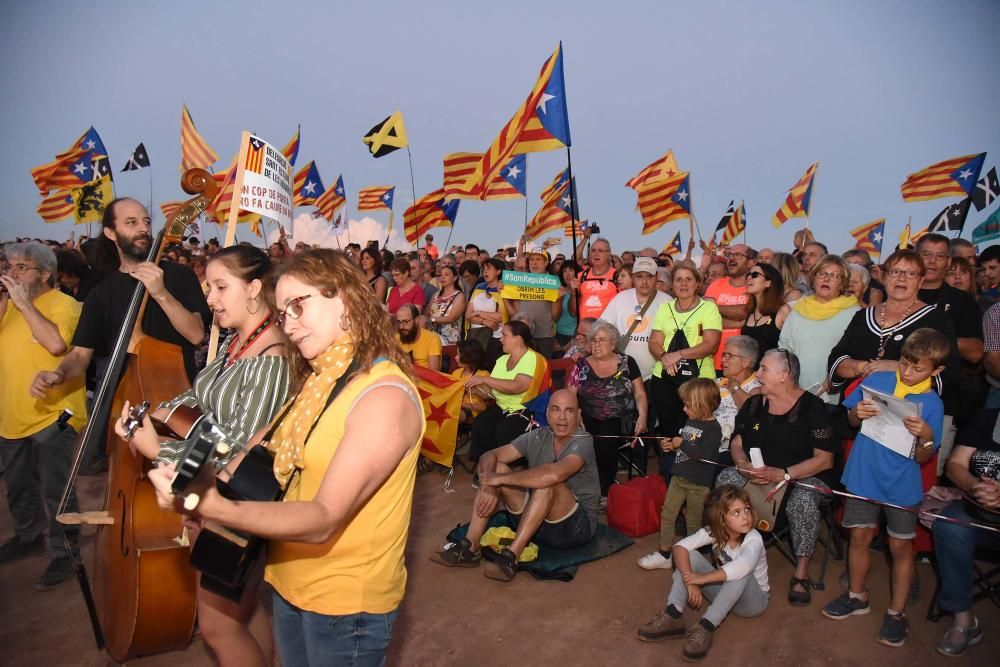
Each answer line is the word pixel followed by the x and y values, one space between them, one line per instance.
pixel 877 472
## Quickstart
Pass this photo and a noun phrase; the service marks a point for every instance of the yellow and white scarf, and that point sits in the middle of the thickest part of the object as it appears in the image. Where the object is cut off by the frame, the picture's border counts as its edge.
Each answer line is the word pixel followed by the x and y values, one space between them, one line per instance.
pixel 289 440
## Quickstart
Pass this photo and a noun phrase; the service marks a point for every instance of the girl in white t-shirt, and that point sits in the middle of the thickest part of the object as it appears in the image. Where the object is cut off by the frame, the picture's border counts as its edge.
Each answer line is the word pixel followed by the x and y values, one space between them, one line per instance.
pixel 734 581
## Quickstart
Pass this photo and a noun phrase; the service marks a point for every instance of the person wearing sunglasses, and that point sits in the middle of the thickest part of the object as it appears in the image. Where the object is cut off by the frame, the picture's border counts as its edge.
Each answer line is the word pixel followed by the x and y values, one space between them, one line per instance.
pixel 817 322
pixel 766 302
pixel 345 453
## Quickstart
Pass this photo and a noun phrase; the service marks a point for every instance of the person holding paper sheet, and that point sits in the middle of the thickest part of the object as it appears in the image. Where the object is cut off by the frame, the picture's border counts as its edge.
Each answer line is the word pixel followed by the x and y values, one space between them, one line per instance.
pixel 877 471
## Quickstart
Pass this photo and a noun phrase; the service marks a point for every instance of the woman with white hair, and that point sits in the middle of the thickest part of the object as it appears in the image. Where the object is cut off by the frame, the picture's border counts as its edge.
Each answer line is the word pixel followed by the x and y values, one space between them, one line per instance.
pixel 612 397
pixel 858 283
pixel 737 384
pixel 792 430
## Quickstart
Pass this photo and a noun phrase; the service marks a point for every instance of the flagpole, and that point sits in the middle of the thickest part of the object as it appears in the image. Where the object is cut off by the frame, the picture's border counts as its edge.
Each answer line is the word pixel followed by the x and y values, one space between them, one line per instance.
pixel 574 211
pixel 413 186
pixel 150 189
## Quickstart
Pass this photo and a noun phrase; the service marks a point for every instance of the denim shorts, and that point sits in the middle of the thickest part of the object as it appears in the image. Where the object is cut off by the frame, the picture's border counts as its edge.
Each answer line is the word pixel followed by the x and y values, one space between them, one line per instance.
pixel 860 514
pixel 305 638
pixel 573 530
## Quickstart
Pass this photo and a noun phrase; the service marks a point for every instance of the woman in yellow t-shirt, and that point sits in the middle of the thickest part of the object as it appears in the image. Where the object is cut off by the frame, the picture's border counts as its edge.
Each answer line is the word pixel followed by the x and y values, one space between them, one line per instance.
pixel 512 375
pixel 681 357
pixel 348 469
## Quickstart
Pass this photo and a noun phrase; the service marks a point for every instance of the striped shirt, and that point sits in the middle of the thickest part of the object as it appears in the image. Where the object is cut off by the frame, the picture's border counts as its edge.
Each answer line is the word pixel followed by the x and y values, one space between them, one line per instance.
pixel 238 399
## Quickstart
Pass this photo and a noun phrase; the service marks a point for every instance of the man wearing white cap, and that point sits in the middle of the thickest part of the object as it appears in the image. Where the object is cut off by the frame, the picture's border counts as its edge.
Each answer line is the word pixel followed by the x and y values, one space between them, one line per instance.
pixel 543 314
pixel 632 311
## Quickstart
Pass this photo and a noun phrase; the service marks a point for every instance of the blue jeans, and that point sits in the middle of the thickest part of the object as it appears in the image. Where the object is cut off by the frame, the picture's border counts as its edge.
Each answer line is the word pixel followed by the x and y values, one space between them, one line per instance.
pixel 306 639
pixel 954 549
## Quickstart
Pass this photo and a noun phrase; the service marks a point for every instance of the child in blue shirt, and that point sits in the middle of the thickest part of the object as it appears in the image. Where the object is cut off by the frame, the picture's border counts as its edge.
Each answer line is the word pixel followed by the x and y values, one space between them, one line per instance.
pixel 879 473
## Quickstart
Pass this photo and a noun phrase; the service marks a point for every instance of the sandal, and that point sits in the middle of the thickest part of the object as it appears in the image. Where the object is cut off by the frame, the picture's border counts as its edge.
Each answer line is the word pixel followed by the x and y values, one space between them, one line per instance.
pixel 799 598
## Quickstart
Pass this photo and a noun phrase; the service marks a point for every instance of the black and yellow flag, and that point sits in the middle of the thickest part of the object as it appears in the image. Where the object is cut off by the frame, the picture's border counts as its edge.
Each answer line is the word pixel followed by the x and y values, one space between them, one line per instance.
pixel 387 136
pixel 90 199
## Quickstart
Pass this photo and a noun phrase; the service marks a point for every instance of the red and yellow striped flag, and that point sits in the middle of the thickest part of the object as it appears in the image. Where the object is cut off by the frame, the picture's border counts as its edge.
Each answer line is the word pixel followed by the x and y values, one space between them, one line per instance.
pixel 674 247
pixel 951 178
pixel 332 199
pixel 431 210
pixel 869 237
pixel 663 201
pixel 57 206
pixel 554 214
pixel 170 208
pixel 59 174
pixel 459 167
pixel 665 167
pixel 441 396
pixel 737 223
pixel 195 151
pixel 797 203
pixel 374 198
pixel 919 235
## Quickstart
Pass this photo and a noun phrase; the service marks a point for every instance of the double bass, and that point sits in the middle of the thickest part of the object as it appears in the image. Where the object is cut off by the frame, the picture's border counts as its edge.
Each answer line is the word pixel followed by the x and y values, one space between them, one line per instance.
pixel 143 595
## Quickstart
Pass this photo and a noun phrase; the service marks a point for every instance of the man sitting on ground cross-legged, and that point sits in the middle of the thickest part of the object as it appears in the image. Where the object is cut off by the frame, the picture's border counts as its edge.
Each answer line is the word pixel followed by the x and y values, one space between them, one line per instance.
pixel 553 502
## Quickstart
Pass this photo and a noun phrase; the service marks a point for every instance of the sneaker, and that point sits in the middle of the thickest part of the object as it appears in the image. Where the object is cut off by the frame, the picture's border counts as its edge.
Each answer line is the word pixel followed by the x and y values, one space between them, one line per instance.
pixel 458 554
pixel 655 561
pixel 17 548
pixel 58 571
pixel 894 630
pixel 504 567
pixel 956 641
pixel 475 480
pixel 663 626
pixel 699 640
pixel 845 606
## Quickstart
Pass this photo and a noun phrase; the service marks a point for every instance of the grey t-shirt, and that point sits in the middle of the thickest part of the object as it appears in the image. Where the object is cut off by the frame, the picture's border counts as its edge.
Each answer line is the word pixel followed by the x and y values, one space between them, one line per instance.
pixel 542 325
pixel 538 446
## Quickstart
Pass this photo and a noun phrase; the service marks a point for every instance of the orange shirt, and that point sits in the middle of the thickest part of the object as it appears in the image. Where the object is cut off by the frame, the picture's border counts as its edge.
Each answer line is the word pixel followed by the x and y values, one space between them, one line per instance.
pixel 725 294
pixel 596 292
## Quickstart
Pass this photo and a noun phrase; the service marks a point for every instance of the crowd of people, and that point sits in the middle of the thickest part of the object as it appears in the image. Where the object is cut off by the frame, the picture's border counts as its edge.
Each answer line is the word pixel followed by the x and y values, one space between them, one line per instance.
pixel 749 369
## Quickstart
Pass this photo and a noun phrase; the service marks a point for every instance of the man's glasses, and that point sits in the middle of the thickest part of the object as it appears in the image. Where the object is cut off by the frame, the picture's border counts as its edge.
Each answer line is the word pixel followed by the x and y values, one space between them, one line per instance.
pixel 730 255
pixel 293 309
pixel 730 355
pixel 409 321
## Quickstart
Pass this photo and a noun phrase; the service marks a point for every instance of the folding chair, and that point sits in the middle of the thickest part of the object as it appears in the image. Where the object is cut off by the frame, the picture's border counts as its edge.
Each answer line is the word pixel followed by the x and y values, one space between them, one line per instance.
pixel 830 539
pixel 985 582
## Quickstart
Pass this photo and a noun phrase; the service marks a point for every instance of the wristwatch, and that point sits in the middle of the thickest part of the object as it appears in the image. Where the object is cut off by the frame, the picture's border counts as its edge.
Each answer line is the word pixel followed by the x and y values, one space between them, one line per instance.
pixel 788 476
pixel 927 445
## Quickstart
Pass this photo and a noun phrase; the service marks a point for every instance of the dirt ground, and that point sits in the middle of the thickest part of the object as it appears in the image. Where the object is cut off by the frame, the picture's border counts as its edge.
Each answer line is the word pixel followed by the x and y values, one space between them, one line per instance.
pixel 459 617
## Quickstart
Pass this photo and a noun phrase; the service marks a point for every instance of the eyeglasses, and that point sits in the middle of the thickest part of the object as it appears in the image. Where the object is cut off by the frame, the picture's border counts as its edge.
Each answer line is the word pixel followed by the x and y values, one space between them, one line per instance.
pixel 21 268
pixel 580 334
pixel 912 274
pixel 730 355
pixel 293 310
pixel 832 275
pixel 404 321
pixel 755 275
pixel 729 255
pixel 602 341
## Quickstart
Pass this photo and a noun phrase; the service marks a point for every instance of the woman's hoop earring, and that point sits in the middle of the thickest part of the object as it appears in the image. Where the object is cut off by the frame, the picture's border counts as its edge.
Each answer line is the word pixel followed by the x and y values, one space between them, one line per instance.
pixel 345 322
pixel 256 305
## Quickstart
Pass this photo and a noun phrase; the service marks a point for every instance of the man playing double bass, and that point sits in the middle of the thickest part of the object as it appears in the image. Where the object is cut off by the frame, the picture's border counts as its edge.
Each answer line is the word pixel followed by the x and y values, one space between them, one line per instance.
pixel 177 311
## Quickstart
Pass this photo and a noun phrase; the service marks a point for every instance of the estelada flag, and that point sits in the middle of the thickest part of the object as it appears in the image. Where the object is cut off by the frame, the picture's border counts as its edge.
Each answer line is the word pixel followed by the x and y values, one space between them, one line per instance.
pixel 663 201
pixel 950 178
pixel 509 183
pixel 332 199
pixel 376 198
pixel 555 213
pixel 674 247
pixel 307 185
pixel 797 202
pixel 869 237
pixel 72 167
pixel 441 396
pixel 541 123
pixel 56 206
pixel 291 149
pixel 431 210
pixel 658 170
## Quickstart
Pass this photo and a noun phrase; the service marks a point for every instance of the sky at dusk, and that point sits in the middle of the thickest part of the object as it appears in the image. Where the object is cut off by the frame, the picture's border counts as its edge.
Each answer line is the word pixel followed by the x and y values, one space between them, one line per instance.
pixel 747 94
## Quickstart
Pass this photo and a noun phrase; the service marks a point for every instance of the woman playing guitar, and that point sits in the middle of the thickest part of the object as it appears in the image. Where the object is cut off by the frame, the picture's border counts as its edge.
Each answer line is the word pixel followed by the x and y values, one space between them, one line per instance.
pixel 240 391
pixel 347 466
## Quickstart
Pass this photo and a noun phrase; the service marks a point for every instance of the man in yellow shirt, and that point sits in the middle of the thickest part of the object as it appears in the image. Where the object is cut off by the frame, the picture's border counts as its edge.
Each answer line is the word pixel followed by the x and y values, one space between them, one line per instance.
pixel 36 438
pixel 423 346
